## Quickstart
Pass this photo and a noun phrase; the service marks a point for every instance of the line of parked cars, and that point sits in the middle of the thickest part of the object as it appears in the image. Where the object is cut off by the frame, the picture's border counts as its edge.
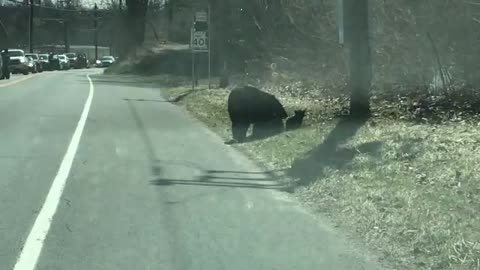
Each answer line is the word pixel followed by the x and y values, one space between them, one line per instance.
pixel 18 61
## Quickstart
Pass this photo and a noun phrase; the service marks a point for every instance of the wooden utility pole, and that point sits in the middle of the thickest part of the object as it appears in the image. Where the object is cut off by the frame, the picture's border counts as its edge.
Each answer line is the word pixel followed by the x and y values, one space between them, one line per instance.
pixel 65 29
pixel 95 9
pixel 357 39
pixel 6 42
pixel 31 27
pixel 118 39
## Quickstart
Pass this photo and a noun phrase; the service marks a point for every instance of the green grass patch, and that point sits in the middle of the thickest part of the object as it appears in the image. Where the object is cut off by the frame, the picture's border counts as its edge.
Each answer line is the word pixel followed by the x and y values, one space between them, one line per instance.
pixel 411 191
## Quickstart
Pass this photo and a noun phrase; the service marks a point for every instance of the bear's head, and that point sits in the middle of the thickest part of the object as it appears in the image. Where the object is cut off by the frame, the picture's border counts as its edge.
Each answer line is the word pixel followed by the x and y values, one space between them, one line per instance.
pixel 300 113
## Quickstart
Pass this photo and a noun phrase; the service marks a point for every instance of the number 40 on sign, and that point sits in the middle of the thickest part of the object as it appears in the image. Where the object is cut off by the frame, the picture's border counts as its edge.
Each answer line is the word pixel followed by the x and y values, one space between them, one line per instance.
pixel 199 41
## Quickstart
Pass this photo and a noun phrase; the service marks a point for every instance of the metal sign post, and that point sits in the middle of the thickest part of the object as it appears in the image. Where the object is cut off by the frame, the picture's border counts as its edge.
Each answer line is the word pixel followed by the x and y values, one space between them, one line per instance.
pixel 209 49
pixel 193 58
pixel 200 40
pixel 340 22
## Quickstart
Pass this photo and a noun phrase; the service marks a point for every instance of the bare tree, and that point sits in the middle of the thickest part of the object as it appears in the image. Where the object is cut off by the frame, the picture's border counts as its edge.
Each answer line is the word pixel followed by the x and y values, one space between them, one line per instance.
pixel 221 37
pixel 136 18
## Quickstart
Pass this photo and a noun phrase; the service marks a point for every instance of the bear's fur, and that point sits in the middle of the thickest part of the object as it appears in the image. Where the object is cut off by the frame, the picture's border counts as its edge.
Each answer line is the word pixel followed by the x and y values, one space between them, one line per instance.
pixel 249 105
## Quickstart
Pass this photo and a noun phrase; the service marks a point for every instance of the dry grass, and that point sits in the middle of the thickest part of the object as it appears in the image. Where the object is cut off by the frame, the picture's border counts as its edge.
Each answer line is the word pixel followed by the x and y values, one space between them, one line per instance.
pixel 410 191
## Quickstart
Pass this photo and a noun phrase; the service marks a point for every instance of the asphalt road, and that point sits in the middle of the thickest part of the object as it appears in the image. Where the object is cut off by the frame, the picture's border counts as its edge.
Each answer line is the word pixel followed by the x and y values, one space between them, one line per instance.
pixel 113 177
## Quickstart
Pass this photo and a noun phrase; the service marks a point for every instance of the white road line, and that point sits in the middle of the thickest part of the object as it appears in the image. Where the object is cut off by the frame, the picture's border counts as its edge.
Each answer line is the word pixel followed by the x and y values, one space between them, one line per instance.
pixel 33 246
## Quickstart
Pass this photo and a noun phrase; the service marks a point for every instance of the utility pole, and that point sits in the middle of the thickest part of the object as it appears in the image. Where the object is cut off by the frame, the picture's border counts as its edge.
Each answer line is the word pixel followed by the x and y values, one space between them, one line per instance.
pixel 67 43
pixel 31 27
pixel 356 15
pixel 5 32
pixel 118 43
pixel 96 31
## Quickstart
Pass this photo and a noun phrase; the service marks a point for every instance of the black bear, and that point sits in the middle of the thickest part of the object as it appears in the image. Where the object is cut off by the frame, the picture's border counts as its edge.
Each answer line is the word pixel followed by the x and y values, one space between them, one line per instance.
pixel 249 105
pixel 295 121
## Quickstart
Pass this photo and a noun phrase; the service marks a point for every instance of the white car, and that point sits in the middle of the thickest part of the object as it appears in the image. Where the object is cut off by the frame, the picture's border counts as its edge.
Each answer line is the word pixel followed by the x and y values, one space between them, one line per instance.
pixel 18 61
pixel 105 61
pixel 64 61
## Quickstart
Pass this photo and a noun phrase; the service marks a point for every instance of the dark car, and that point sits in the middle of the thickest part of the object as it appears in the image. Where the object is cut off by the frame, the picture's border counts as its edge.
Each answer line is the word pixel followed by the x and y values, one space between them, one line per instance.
pixel 81 62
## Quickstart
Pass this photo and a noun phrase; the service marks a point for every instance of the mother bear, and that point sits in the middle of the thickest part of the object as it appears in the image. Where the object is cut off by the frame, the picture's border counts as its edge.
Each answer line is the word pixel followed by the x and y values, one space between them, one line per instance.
pixel 249 105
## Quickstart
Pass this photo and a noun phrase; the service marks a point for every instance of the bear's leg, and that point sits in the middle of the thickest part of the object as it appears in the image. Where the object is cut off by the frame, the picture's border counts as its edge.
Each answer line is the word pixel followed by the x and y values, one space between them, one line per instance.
pixel 239 131
pixel 260 130
pixel 276 126
pixel 266 129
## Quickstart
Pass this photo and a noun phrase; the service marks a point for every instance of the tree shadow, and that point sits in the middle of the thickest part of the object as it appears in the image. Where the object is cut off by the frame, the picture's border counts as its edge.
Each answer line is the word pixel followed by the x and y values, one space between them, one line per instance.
pixel 309 168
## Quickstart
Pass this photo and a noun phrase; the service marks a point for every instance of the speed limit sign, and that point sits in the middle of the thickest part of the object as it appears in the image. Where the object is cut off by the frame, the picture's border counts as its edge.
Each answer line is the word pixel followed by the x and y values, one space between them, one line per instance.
pixel 199 41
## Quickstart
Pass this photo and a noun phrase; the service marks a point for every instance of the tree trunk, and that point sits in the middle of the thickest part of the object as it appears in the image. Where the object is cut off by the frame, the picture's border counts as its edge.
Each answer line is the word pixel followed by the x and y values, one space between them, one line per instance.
pixel 220 19
pixel 136 18
pixel 169 11
pixel 357 28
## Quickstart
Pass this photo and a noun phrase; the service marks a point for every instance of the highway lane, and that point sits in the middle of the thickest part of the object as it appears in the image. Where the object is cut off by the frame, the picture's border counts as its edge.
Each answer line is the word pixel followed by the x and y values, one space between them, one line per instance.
pixel 37 118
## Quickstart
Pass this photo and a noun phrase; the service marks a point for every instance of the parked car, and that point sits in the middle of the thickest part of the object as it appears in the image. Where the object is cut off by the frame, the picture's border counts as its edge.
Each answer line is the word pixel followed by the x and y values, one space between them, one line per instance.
pixel 18 62
pixel 64 62
pixel 36 59
pixel 43 60
pixel 105 61
pixel 81 61
pixel 32 66
pixel 72 57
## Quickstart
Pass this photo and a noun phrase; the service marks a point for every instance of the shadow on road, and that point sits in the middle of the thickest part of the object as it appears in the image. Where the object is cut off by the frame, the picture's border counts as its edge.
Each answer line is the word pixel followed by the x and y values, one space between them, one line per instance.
pixel 138 81
pixel 182 96
pixel 168 182
pixel 145 100
pixel 175 100
pixel 329 154
pixel 223 178
pixel 146 139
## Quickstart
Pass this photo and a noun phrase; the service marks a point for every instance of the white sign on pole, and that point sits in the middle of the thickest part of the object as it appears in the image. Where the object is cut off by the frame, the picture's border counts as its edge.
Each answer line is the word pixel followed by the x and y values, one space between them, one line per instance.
pixel 201 16
pixel 199 41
